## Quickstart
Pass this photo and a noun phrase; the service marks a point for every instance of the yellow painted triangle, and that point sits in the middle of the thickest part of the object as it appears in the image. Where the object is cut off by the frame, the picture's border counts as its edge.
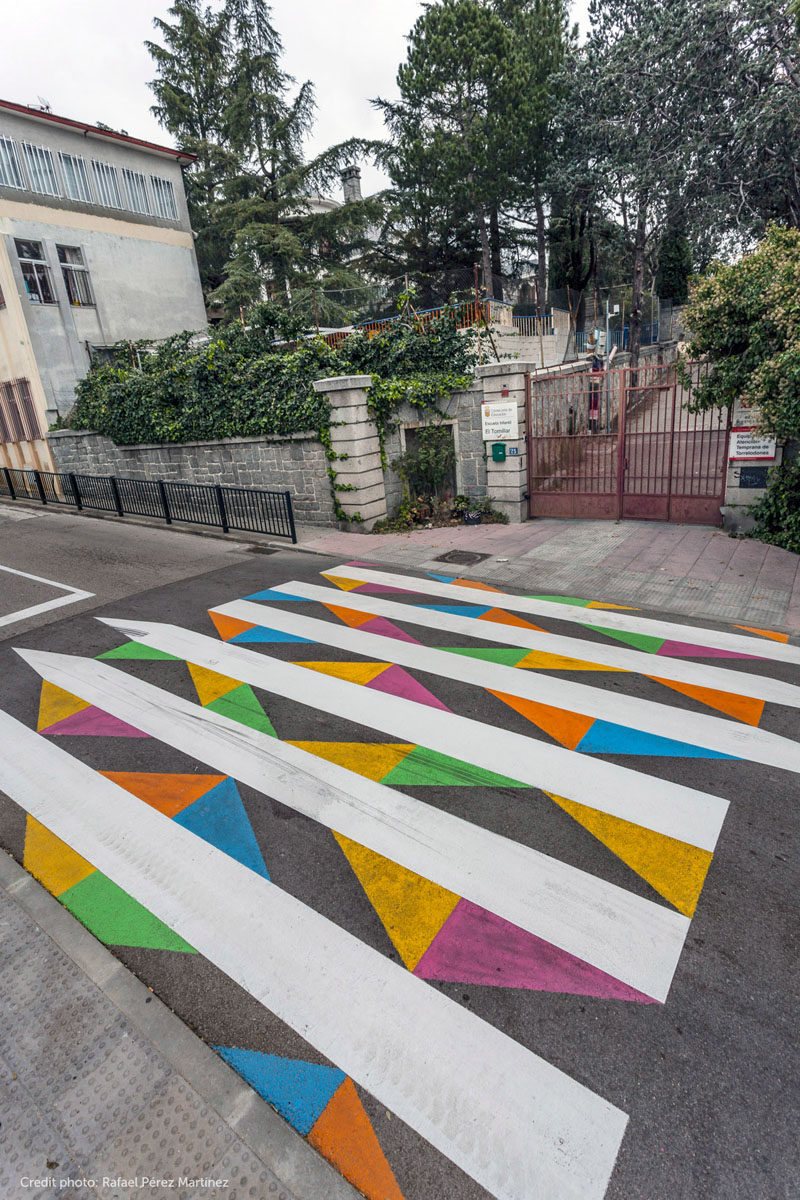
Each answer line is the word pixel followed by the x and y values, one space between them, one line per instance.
pixel 767 633
pixel 51 861
pixel 412 909
pixel 675 869
pixel 538 659
pixel 602 604
pixel 210 685
pixel 56 705
pixel 351 671
pixel 372 761
pixel 346 585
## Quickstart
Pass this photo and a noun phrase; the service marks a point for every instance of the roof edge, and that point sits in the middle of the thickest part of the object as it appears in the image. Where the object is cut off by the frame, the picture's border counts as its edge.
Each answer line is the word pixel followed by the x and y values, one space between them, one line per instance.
pixel 109 134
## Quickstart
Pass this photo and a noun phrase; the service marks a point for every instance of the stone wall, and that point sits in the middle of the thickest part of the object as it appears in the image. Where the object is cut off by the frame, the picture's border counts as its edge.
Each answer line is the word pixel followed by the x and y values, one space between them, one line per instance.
pixel 463 411
pixel 295 463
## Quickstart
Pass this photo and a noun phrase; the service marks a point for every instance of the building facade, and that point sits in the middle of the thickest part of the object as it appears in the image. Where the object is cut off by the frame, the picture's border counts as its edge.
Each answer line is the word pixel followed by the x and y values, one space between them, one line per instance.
pixel 95 248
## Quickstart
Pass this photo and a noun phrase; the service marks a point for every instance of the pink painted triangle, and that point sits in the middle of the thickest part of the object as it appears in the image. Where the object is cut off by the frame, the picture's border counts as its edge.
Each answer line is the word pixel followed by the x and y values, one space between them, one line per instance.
pixel 387 629
pixel 398 682
pixel 476 946
pixel 687 650
pixel 94 722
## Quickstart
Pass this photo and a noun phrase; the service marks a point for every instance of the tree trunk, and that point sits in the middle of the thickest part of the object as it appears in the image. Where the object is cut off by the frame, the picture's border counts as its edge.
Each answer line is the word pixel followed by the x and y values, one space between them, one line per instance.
pixel 497 265
pixel 635 339
pixel 541 251
pixel 486 253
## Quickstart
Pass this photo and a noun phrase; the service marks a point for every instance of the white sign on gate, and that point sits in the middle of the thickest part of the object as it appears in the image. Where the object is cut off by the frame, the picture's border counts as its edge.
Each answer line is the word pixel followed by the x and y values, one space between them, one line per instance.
pixel 500 422
pixel 749 443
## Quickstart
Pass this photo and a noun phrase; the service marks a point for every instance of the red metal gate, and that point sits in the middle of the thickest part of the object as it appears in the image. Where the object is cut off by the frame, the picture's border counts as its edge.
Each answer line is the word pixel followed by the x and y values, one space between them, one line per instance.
pixel 622 443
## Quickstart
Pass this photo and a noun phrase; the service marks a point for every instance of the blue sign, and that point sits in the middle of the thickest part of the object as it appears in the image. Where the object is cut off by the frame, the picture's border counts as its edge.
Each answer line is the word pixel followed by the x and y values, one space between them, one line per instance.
pixel 512 450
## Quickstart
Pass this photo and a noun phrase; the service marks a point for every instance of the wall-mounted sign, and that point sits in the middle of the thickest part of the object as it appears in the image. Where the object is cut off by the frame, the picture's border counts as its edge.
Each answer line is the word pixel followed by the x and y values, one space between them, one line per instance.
pixel 513 450
pixel 499 422
pixel 749 443
pixel 747 418
pixel 753 477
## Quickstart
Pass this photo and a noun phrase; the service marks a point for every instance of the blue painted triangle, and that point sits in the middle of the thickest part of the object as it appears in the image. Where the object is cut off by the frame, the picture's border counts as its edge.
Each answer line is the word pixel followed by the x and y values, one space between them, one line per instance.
pixel 260 633
pixel 606 738
pixel 219 818
pixel 277 595
pixel 299 1090
pixel 461 610
pixel 443 578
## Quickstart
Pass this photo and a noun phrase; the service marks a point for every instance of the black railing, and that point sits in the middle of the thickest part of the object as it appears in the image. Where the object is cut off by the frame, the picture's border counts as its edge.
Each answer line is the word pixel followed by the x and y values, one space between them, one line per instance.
pixel 251 510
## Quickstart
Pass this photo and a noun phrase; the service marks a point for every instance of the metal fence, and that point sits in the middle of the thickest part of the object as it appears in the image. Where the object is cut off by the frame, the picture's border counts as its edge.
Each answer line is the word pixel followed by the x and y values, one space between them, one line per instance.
pixel 251 510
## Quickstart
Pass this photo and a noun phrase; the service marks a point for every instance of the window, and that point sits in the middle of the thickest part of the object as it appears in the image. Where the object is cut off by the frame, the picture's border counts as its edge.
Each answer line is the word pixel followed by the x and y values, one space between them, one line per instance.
pixel 164 198
pixel 107 184
pixel 35 272
pixel 76 177
pixel 41 169
pixel 76 277
pixel 136 187
pixel 10 169
pixel 19 419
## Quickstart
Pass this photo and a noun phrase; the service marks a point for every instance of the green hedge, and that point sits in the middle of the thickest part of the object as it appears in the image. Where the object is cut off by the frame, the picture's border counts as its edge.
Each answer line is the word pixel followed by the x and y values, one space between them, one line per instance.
pixel 247 382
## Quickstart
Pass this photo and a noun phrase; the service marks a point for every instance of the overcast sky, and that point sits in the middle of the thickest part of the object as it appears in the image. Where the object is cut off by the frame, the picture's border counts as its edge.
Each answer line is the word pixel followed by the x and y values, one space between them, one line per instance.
pixel 90 63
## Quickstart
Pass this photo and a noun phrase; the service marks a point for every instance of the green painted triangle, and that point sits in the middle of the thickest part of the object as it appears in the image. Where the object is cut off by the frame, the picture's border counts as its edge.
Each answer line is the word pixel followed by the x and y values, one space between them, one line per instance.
pixel 562 600
pixel 242 705
pixel 498 654
pixel 116 918
pixel 640 641
pixel 137 650
pixel 428 767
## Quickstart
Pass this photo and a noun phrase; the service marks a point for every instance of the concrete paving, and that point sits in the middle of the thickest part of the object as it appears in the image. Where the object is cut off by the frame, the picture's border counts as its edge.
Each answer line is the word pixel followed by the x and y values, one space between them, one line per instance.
pixel 695 570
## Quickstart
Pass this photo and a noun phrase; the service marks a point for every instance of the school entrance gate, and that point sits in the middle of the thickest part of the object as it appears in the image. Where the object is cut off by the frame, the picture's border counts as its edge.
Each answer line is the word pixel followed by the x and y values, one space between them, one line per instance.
pixel 621 443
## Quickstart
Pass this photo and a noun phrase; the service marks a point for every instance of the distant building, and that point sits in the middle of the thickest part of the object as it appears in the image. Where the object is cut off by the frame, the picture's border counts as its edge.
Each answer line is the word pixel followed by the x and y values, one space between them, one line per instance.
pixel 95 248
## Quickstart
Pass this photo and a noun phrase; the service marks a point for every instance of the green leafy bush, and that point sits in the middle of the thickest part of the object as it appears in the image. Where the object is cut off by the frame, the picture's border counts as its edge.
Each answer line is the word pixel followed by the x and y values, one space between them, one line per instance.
pixel 777 513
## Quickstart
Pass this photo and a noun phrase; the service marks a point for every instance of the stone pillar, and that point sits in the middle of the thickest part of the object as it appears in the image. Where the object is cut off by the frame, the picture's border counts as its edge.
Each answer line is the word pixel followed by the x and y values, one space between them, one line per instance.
pixel 354 434
pixel 507 482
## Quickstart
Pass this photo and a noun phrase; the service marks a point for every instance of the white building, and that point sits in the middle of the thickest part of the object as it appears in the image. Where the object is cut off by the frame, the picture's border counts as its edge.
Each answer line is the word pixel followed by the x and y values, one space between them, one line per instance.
pixel 95 248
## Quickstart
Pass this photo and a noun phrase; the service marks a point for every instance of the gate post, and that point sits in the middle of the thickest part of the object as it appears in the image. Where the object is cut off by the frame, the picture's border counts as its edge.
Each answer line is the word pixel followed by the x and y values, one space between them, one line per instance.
pixel 621 459
pixel 507 483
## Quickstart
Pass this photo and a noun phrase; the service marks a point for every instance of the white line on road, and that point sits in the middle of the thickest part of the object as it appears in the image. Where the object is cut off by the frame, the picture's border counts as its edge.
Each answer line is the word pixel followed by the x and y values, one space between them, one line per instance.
pixel 663 720
pixel 625 935
pixel 519 1126
pixel 669 808
pixel 718 638
pixel 681 670
pixel 73 596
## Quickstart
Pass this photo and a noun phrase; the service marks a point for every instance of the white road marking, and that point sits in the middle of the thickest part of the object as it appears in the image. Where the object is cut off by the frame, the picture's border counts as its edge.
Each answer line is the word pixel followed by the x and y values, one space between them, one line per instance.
pixel 663 720
pixel 519 1126
pixel 623 934
pixel 72 597
pixel 680 670
pixel 718 638
pixel 669 808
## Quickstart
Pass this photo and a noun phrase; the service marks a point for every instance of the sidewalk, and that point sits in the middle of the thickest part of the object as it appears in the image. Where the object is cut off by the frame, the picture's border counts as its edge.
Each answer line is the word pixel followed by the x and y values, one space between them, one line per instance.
pixel 694 570
pixel 101 1084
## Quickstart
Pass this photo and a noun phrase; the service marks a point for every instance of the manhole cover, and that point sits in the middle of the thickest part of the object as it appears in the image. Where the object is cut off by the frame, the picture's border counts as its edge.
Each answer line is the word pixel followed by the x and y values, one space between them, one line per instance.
pixel 465 557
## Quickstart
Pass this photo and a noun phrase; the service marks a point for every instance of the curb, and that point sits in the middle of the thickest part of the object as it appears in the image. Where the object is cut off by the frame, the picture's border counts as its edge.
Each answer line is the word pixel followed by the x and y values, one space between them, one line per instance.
pixel 274 1143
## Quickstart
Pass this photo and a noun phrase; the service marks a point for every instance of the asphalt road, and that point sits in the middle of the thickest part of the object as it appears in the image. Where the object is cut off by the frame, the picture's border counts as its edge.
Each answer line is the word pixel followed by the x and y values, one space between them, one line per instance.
pixel 707 1079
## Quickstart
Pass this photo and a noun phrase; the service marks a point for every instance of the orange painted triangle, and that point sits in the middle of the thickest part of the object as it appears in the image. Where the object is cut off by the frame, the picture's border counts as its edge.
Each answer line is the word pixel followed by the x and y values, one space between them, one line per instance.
pixel 228 627
pixel 349 615
pixel 484 587
pixel 767 633
pixel 344 1135
pixel 675 869
pixel 744 708
pixel 170 794
pixel 504 618
pixel 564 727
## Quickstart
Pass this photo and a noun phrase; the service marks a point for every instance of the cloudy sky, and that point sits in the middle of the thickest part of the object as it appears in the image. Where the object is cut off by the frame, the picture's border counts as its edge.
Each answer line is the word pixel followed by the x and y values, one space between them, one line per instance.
pixel 87 60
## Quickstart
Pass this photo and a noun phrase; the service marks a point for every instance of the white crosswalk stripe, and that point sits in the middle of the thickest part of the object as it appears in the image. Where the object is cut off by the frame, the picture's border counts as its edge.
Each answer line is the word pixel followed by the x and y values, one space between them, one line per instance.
pixel 454 593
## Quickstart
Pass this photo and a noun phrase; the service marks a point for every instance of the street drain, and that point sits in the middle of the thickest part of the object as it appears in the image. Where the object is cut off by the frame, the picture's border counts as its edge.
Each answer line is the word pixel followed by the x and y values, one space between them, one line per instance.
pixel 465 557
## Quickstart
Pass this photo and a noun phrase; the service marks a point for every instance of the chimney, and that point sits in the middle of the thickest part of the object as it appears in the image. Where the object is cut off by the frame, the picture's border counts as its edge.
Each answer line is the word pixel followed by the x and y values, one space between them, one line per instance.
pixel 351 183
